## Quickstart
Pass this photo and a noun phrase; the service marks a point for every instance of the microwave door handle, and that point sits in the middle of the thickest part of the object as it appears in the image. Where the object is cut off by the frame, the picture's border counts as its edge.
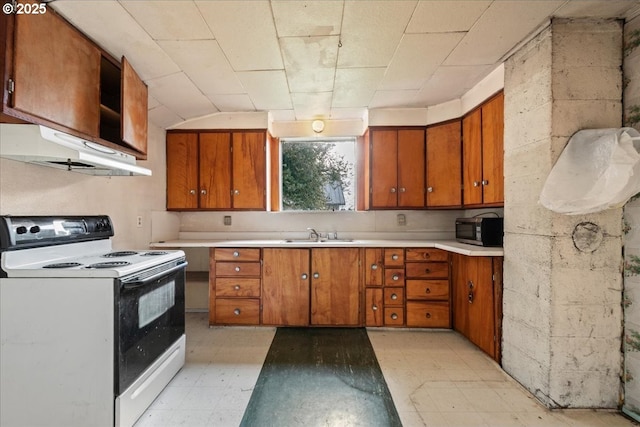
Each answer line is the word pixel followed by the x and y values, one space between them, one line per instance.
pixel 150 279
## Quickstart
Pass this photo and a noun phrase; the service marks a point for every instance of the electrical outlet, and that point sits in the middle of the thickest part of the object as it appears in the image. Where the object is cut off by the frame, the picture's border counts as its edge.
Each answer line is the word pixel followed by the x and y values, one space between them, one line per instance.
pixel 402 220
pixel 139 221
pixel 227 220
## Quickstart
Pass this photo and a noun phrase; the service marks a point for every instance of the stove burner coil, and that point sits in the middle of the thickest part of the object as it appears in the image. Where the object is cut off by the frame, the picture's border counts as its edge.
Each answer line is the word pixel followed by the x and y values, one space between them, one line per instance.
pixel 119 254
pixel 63 265
pixel 154 253
pixel 110 264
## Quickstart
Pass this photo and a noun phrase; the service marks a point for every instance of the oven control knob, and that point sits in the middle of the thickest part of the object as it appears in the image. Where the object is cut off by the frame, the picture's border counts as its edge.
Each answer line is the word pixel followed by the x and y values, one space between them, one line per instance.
pixel 34 229
pixel 21 230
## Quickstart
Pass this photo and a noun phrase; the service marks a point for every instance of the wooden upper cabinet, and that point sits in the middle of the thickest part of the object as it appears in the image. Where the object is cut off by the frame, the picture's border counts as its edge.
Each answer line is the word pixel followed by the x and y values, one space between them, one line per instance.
pixel 215 170
pixel 397 168
pixel 56 73
pixel 134 97
pixel 483 154
pixel 444 165
pixel 182 170
pixel 249 170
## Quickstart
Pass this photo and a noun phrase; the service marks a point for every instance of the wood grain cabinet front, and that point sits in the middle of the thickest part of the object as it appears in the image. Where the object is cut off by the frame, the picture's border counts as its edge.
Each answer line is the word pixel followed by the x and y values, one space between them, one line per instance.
pixel 427 288
pixel 235 277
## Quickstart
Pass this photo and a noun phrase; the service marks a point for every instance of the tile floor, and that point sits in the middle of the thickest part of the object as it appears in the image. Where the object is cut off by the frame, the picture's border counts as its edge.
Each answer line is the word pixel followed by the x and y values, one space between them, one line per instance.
pixel 436 378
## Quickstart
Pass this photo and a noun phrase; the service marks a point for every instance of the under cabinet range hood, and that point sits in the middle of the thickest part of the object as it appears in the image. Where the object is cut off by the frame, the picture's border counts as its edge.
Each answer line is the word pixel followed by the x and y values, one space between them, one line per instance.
pixel 48 147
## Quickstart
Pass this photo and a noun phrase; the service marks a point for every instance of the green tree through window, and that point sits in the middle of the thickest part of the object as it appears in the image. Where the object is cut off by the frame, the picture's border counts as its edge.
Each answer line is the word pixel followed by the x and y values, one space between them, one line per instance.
pixel 317 175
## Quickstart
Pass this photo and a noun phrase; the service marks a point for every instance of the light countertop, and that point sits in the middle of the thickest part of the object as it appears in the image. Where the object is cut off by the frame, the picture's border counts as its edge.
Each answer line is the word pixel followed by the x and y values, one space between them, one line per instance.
pixel 447 245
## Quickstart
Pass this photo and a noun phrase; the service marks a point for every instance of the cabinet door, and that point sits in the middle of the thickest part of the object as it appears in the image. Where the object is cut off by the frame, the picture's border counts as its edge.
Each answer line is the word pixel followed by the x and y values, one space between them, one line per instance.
pixel 411 166
pixel 384 168
pixel 56 73
pixel 373 263
pixel 472 158
pixel 374 313
pixel 460 294
pixel 134 109
pixel 215 170
pixel 444 165
pixel 249 170
pixel 493 150
pixel 481 329
pixel 285 287
pixel 182 170
pixel 335 286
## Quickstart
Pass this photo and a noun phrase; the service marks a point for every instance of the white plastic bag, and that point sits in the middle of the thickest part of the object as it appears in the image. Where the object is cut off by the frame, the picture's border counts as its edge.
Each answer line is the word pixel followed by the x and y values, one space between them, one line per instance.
pixel 597 170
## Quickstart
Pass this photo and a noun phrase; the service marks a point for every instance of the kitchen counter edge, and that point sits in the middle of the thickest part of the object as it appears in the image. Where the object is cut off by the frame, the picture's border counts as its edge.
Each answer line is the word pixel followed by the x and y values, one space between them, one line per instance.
pixel 447 245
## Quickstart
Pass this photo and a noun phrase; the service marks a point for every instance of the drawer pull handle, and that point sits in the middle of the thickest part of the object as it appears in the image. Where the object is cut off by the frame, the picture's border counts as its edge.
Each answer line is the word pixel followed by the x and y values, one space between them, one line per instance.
pixel 236 312
pixel 304 276
pixel 374 307
pixel 236 287
pixel 394 296
pixel 427 291
pixel 237 269
pixel 395 277
pixel 395 257
pixel 236 254
pixel 394 316
pixel 374 266
pixel 428 315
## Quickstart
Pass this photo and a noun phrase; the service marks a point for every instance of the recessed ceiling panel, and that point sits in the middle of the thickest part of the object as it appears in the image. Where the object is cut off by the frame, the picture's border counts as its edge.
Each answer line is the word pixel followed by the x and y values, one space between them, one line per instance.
pixel 268 89
pixel 355 86
pixel 310 62
pixel 169 20
pixel 246 33
pixel 371 31
pixel 417 58
pixel 307 18
pixel 181 96
pixel 205 64
pixel 445 16
pixel 449 83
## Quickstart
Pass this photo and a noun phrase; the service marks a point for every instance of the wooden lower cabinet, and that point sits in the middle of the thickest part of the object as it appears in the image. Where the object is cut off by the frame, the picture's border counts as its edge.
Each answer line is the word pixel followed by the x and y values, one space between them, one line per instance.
pixel 238 311
pixel 373 307
pixel 428 314
pixel 427 283
pixel 477 289
pixel 285 287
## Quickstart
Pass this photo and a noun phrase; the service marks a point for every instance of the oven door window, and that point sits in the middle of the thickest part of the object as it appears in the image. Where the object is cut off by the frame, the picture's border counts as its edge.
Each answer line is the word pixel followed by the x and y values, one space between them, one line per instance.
pixel 151 318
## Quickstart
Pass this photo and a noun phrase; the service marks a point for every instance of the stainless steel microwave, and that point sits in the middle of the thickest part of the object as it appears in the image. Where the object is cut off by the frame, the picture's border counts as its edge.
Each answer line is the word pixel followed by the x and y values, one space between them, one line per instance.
pixel 481 231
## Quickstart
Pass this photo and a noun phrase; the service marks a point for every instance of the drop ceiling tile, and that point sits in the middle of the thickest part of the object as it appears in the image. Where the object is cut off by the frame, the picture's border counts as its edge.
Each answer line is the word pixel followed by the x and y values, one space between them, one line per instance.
pixel 311 105
pixel 348 113
pixel 371 32
pixel 113 28
pixel 445 16
pixel 245 31
pixel 233 102
pixel 152 102
pixel 267 89
pixel 417 58
pixel 310 62
pixel 169 20
pixel 500 28
pixel 307 18
pixel 448 83
pixel 355 87
pixel 600 9
pixel 180 95
pixel 164 118
pixel 205 64
pixel 393 98
pixel 282 115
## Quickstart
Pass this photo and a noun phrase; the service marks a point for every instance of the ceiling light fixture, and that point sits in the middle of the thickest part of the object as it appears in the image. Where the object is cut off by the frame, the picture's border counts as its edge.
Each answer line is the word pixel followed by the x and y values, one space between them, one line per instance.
pixel 317 126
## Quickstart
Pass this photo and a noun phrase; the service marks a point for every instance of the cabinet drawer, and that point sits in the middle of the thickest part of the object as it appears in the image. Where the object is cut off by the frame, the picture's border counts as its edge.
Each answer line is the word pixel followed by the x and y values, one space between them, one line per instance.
pixel 393 296
pixel 240 287
pixel 394 277
pixel 428 289
pixel 426 254
pixel 393 316
pixel 239 311
pixel 238 269
pixel 427 270
pixel 428 314
pixel 394 257
pixel 237 254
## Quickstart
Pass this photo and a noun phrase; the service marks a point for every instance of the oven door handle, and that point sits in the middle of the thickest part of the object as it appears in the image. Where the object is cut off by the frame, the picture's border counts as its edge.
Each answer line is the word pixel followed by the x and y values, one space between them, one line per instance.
pixel 138 283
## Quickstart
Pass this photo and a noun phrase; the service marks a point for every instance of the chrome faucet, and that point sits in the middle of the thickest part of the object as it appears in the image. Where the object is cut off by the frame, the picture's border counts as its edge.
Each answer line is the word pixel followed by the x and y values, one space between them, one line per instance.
pixel 313 234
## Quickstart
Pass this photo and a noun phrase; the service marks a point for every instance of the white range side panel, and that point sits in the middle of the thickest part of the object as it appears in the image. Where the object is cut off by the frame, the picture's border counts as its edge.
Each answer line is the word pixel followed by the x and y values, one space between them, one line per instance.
pixel 57 352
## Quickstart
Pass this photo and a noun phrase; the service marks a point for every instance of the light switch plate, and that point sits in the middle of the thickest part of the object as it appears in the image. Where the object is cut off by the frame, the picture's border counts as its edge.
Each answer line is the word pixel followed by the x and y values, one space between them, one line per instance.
pixel 402 220
pixel 227 220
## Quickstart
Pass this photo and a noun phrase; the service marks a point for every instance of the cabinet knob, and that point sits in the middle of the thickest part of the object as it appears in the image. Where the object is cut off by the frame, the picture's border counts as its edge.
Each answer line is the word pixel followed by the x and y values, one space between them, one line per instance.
pixel 192 191
pixel 203 191
pixel 236 312
pixel 236 254
pixel 394 296
pixel 427 270
pixel 427 291
pixel 374 307
pixel 428 315
pixel 402 189
pixel 236 192
pixel 429 189
pixel 393 189
pixel 395 277
pixel 304 276
pixel 485 182
pixel 316 275
pixel 374 266
pixel 476 183
pixel 237 269
pixel 395 257
pixel 394 316
pixel 236 287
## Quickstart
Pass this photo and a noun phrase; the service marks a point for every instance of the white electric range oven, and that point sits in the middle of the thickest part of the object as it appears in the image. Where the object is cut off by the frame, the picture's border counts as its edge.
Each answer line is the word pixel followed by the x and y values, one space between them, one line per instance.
pixel 89 336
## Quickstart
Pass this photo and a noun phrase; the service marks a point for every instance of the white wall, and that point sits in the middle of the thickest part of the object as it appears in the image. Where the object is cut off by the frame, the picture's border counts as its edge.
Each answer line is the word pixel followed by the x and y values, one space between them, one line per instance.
pixel 27 189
